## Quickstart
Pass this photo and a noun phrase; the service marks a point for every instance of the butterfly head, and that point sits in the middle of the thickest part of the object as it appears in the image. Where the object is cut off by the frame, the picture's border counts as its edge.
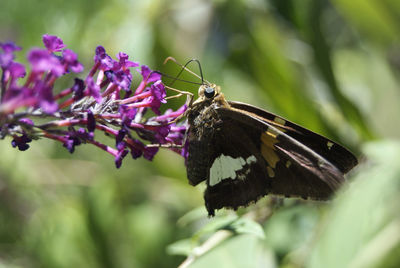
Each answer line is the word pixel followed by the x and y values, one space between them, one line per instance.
pixel 208 92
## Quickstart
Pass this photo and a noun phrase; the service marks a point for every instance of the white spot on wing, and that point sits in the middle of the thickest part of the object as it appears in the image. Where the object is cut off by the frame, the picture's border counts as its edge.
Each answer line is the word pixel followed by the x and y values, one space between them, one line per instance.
pixel 225 167
pixel 251 159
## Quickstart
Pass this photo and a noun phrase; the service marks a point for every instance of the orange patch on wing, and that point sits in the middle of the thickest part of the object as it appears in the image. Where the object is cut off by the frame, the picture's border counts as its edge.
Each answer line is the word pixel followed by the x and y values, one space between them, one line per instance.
pixel 268 140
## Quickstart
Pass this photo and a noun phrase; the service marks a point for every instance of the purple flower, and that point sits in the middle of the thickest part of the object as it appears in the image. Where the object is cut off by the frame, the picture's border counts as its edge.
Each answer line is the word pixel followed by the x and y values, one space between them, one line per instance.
pixel 21 142
pixel 158 91
pixel 119 78
pixel 136 153
pixel 93 89
pixel 101 57
pixel 126 120
pixel 120 156
pixel 156 96
pixel 150 152
pixel 9 47
pixel 124 62
pixel 154 104
pixel 70 143
pixel 6 59
pixel 119 140
pixel 136 147
pixel 91 121
pixel 149 75
pixel 161 133
pixel 75 138
pixel 8 53
pixel 127 114
pixel 177 134
pixel 42 61
pixel 71 60
pixel 17 70
pixel 78 88
pixel 18 94
pixel 83 134
pixel 170 114
pixel 16 97
pixel 52 43
pixel 45 98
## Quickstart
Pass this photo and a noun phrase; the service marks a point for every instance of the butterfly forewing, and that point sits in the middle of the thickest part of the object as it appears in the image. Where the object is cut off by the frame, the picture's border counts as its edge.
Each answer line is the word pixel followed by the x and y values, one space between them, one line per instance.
pixel 339 156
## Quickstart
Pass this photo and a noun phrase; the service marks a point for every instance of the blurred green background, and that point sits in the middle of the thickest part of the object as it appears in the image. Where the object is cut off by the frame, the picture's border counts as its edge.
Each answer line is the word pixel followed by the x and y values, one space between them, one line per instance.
pixel 332 66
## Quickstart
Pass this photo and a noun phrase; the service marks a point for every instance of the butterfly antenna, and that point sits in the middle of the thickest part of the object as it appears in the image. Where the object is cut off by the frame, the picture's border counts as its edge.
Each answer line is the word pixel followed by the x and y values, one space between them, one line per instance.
pixel 184 67
pixel 176 78
pixel 179 92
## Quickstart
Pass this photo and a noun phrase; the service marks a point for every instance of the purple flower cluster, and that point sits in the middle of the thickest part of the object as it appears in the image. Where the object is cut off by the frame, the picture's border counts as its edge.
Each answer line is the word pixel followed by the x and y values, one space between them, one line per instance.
pixel 105 100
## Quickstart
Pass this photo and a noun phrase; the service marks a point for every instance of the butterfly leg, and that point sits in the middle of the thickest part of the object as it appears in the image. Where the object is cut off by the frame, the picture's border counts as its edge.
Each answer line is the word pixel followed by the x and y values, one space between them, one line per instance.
pixel 189 102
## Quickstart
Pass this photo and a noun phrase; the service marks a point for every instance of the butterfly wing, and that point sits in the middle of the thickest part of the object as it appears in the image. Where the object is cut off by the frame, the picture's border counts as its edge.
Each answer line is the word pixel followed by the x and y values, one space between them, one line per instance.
pixel 244 153
pixel 336 154
pixel 236 174
pixel 252 158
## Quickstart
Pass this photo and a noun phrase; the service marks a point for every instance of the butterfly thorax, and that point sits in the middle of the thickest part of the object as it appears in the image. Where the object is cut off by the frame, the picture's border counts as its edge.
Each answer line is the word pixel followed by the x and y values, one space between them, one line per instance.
pixel 202 116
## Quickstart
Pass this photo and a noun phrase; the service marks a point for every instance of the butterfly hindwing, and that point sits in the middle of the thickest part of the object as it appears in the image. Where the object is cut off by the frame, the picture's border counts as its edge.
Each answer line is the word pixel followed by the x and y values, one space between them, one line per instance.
pixel 236 174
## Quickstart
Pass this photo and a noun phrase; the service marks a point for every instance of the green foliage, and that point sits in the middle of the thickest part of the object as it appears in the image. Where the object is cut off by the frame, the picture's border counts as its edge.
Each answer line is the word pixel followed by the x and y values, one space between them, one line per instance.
pixel 332 66
pixel 362 228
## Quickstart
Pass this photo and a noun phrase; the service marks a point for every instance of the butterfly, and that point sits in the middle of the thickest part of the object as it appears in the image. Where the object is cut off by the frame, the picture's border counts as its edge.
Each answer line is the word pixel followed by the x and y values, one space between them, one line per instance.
pixel 244 153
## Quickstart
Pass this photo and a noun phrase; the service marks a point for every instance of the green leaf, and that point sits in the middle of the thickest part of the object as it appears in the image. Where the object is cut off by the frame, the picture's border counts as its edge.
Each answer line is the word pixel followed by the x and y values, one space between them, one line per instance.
pixel 239 251
pixel 216 224
pixel 192 216
pixel 247 226
pixel 181 247
pixel 362 228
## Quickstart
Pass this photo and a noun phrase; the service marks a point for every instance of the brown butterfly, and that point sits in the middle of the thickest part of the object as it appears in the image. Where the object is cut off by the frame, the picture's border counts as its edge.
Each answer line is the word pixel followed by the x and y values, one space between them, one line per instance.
pixel 244 153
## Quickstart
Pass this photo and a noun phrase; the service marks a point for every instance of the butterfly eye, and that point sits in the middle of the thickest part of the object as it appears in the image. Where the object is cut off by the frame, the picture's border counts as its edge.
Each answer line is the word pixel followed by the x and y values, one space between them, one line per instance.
pixel 209 92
